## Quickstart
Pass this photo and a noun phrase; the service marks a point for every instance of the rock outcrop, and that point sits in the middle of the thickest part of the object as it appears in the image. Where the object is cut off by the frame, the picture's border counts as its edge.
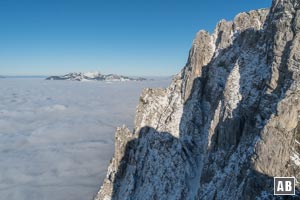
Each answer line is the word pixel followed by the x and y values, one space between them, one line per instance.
pixel 228 123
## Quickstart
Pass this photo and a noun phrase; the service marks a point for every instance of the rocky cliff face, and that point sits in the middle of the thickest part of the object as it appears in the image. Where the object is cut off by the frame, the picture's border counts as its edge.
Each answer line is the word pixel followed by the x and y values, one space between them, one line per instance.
pixel 228 123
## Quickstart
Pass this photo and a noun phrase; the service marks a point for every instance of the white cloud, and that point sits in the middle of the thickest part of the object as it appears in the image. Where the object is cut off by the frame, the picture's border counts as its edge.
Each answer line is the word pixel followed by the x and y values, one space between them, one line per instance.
pixel 56 137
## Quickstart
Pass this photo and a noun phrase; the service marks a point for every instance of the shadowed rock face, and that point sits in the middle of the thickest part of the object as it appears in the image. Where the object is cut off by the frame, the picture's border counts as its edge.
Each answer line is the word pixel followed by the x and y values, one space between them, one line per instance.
pixel 228 123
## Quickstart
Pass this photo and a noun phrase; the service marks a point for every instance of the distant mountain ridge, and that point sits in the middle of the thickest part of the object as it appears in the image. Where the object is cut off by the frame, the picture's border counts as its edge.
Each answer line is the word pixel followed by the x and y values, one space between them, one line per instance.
pixel 94 76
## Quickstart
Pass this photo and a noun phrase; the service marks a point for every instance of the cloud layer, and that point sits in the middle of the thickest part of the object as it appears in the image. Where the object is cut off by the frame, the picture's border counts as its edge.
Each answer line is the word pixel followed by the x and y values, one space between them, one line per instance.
pixel 56 137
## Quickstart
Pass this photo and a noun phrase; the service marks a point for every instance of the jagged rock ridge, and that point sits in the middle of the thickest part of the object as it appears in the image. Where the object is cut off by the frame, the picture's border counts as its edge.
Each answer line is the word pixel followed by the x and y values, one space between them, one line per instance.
pixel 94 76
pixel 228 123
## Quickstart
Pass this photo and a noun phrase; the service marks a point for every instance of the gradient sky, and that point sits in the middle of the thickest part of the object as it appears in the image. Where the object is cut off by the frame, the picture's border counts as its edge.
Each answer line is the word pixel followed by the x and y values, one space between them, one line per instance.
pixel 129 37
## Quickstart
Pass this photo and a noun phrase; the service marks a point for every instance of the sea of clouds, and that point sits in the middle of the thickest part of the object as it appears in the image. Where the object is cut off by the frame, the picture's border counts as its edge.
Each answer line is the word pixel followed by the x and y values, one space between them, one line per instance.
pixel 57 137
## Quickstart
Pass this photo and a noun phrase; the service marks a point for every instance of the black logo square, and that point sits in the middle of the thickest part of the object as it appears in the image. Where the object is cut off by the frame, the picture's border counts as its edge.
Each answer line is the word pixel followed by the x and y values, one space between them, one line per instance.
pixel 284 185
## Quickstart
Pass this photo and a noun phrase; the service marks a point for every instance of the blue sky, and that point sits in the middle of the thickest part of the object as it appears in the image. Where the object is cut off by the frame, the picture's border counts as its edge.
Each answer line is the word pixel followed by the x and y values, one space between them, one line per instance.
pixel 130 37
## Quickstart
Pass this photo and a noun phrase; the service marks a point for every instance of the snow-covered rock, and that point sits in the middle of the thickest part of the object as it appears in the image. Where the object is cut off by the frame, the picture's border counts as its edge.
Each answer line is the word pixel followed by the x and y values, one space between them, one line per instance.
pixel 228 123
pixel 94 76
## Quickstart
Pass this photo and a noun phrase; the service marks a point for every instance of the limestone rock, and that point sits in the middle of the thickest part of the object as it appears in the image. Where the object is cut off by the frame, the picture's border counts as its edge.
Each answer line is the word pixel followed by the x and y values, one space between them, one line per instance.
pixel 228 123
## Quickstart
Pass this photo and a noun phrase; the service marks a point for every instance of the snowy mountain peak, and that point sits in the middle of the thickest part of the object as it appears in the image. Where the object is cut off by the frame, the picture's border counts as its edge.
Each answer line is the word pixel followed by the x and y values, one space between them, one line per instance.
pixel 228 123
pixel 92 74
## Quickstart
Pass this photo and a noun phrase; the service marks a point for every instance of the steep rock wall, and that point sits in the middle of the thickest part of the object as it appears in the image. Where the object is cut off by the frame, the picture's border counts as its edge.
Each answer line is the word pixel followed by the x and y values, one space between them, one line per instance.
pixel 228 123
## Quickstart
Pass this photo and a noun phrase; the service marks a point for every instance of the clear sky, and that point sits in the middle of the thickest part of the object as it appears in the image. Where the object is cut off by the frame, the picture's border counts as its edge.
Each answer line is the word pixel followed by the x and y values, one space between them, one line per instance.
pixel 129 37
